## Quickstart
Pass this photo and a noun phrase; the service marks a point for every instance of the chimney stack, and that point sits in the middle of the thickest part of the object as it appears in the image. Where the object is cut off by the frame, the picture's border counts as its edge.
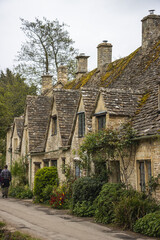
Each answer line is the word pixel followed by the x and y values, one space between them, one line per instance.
pixel 82 65
pixel 46 84
pixel 150 29
pixel 104 53
pixel 62 74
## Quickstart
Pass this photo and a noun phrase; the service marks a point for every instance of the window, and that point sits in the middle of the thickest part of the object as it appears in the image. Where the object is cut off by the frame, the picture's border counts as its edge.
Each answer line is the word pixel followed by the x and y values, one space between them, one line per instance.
pixel 144 174
pixel 54 125
pixel 54 163
pixel 63 165
pixel 77 169
pixel 81 124
pixel 46 162
pixel 101 122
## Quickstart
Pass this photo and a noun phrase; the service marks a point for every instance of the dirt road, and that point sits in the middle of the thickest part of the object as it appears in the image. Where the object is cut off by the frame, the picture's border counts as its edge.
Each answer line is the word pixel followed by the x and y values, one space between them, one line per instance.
pixel 50 224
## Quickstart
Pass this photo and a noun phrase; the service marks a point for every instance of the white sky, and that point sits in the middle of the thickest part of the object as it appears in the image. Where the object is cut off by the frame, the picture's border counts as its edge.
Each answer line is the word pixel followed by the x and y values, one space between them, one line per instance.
pixel 90 21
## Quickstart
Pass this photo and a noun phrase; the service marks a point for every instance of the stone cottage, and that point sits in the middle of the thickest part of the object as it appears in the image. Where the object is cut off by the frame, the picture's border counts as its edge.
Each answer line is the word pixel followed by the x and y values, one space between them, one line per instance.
pixel 56 122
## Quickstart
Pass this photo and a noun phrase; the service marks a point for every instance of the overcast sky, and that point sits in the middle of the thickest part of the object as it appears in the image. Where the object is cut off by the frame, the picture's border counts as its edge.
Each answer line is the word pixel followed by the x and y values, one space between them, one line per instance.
pixel 90 21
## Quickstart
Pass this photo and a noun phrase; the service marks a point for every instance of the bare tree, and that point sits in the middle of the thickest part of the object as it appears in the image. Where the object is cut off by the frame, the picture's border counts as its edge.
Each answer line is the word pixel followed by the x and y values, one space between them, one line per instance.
pixel 48 45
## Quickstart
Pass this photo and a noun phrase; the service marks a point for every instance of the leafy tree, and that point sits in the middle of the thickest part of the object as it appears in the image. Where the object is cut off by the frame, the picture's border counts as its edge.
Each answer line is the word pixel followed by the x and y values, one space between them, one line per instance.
pixel 13 92
pixel 48 46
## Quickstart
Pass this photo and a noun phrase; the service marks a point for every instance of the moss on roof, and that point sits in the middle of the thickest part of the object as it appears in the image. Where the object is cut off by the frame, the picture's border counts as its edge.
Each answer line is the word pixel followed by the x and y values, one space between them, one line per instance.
pixel 153 56
pixel 81 82
pixel 115 69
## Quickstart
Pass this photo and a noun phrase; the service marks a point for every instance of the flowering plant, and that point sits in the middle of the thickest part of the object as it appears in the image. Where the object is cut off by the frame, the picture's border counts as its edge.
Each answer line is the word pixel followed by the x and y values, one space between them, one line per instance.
pixel 60 197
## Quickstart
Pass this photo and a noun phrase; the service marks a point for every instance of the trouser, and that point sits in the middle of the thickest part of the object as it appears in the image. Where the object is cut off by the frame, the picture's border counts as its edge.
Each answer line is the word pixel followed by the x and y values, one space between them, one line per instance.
pixel 5 192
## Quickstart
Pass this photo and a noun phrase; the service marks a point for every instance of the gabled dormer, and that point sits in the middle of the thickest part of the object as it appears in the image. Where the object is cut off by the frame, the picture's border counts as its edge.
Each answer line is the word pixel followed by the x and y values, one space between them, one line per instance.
pixel 17 137
pixel 99 118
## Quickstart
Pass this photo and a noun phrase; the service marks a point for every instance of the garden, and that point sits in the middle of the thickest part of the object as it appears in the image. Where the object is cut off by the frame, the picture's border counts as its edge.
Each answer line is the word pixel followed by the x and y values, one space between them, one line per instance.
pixel 93 195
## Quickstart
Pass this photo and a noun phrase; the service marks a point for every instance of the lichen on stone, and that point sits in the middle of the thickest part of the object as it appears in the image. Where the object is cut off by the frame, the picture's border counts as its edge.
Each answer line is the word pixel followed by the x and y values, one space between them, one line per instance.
pixel 81 82
pixel 115 69
pixel 154 55
pixel 142 101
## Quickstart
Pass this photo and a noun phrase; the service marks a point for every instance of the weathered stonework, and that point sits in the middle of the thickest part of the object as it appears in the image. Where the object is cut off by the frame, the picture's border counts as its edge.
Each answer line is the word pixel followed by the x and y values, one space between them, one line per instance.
pixel 104 55
pixel 150 30
pixel 120 91
pixel 82 65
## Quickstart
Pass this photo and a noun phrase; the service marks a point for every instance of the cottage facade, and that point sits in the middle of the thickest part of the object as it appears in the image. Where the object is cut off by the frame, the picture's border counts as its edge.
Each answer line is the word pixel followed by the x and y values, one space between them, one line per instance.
pixel 127 89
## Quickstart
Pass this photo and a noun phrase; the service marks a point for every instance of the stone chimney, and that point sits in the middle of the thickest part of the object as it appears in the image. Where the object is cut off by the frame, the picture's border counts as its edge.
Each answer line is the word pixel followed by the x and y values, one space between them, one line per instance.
pixel 62 74
pixel 150 29
pixel 46 84
pixel 82 65
pixel 104 54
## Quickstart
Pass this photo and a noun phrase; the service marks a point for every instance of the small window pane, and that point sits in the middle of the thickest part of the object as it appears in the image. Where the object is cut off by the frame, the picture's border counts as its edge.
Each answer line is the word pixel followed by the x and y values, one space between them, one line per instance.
pixel 53 163
pixel 63 165
pixel 142 176
pixel 77 169
pixel 54 125
pixel 81 124
pixel 101 122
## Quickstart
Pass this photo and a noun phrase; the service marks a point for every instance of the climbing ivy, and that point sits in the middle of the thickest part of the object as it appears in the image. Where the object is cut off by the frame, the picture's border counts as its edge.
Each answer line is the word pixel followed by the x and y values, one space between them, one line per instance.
pixel 109 145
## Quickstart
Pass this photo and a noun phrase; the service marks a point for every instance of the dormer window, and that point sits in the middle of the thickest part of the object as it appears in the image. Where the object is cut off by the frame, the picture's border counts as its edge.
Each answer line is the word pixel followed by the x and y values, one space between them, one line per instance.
pixel 54 125
pixel 81 124
pixel 101 120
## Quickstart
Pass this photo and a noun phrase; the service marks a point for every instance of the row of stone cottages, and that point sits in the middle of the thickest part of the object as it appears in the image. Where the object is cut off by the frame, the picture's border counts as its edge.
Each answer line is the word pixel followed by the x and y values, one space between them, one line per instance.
pixel 55 123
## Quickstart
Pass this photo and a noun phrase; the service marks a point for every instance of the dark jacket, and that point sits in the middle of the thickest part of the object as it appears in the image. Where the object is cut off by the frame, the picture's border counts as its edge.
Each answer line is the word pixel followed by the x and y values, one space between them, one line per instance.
pixel 5 178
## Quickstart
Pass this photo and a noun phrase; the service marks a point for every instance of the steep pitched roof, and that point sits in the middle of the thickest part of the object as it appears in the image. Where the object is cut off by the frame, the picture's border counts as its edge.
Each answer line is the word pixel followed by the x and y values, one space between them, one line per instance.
pixel 124 73
pixel 19 121
pixel 138 71
pixel 66 105
pixel 89 97
pixel 120 102
pixel 147 117
pixel 39 108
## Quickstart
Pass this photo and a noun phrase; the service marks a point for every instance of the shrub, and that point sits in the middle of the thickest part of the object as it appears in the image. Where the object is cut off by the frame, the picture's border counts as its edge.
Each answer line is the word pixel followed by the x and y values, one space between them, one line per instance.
pixel 132 206
pixel 85 189
pixel 149 225
pixel 19 172
pixel 47 192
pixel 45 176
pixel 105 202
pixel 84 209
pixel 22 192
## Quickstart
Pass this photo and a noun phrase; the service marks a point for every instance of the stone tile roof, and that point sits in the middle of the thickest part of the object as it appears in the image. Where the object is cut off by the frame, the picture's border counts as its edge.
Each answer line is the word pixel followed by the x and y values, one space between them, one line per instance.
pixel 66 105
pixel 120 102
pixel 138 71
pixel 147 117
pixel 39 108
pixel 89 97
pixel 19 121
pixel 124 73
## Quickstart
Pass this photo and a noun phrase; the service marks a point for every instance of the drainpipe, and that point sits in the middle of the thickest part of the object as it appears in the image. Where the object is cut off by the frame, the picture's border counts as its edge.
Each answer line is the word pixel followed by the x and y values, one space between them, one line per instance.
pixel 30 170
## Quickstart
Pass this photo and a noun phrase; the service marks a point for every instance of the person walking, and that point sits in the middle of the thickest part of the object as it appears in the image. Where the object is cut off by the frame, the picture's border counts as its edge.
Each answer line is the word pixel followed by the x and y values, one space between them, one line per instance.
pixel 5 181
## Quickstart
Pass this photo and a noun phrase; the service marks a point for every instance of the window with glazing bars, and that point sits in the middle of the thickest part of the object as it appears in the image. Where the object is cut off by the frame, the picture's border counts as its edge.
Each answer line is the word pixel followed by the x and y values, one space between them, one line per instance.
pixel 101 122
